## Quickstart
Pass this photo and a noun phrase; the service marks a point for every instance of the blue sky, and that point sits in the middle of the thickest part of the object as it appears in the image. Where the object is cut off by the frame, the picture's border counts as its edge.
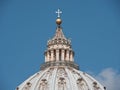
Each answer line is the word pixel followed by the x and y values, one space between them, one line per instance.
pixel 26 25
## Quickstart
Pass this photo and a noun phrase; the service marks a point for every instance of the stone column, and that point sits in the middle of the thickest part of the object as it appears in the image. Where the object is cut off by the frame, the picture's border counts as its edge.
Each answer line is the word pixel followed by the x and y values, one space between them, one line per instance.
pixel 52 55
pixel 48 56
pixel 45 56
pixel 57 54
pixel 71 56
pixel 67 55
pixel 63 54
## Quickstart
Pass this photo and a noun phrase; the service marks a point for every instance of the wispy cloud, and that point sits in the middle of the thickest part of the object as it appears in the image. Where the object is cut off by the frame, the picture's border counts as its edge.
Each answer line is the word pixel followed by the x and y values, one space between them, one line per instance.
pixel 109 78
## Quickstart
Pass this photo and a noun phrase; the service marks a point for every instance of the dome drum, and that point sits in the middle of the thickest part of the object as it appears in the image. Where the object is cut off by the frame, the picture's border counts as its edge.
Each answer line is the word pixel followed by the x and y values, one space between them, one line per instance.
pixel 59 63
pixel 59 54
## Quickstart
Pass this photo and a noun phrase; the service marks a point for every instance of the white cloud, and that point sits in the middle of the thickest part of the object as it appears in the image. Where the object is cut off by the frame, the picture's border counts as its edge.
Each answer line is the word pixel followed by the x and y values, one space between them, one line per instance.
pixel 109 78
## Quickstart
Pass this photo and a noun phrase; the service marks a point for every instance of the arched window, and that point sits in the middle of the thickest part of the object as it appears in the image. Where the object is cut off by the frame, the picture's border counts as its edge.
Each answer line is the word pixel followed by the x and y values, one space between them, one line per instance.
pixel 81 84
pixel 43 85
pixel 27 86
pixel 61 84
pixel 95 86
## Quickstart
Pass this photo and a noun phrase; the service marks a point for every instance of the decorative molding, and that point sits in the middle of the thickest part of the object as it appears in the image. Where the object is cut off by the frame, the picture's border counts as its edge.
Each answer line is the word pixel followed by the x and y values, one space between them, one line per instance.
pixel 59 63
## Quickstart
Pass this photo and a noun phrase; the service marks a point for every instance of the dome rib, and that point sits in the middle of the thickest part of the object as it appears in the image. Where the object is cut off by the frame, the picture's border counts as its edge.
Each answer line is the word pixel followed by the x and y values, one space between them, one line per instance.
pixel 54 74
pixel 39 78
pixel 95 81
pixel 71 79
pixel 84 78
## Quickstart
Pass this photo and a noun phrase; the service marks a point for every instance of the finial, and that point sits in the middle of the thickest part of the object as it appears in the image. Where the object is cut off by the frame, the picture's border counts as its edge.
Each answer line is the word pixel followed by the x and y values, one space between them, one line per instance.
pixel 58 12
pixel 58 20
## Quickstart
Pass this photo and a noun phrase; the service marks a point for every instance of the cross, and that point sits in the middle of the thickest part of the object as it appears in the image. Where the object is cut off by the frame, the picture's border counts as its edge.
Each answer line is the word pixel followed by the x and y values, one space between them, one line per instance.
pixel 58 12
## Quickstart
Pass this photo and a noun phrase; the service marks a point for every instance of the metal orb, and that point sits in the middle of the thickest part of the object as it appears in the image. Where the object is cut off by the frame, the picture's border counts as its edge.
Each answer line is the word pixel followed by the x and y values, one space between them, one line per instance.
pixel 58 21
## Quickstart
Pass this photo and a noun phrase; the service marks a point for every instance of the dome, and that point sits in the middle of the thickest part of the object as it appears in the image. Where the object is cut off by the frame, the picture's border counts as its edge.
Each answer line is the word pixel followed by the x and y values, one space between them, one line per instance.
pixel 60 78
pixel 60 72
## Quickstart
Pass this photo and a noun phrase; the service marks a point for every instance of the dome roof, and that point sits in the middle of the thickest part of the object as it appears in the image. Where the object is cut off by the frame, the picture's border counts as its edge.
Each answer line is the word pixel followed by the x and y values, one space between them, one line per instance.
pixel 59 72
pixel 60 78
pixel 59 38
